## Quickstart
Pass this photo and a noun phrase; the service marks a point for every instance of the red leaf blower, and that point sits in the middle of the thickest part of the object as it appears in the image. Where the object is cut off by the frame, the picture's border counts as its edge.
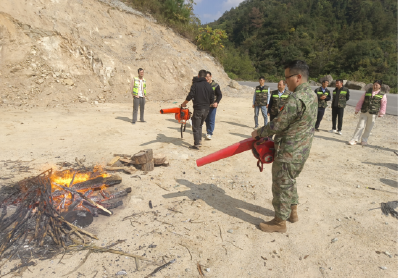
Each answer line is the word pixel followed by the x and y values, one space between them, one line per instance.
pixel 262 148
pixel 181 115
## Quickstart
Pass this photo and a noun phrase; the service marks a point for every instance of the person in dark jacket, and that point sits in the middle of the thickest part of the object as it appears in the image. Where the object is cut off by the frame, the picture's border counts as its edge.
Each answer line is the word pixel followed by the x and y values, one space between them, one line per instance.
pixel 339 98
pixel 202 95
pixel 323 96
pixel 210 120
pixel 277 100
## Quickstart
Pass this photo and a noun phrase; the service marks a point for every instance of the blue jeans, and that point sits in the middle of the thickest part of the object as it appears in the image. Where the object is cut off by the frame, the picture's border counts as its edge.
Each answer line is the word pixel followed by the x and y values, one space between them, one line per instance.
pixel 210 120
pixel 264 113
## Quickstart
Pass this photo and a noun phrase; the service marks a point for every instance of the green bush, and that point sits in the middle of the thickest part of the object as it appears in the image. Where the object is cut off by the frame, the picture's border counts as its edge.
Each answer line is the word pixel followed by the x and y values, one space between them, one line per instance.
pixel 211 40
pixel 238 65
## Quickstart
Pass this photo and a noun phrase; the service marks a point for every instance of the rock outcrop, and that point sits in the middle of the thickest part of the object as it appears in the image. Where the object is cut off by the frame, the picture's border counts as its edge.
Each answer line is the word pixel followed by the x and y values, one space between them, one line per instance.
pixel 54 52
pixel 355 85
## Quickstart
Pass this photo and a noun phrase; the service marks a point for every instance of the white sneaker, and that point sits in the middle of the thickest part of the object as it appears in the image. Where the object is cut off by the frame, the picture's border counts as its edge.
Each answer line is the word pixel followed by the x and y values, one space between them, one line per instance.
pixel 189 122
pixel 352 142
pixel 209 136
pixel 339 132
pixel 332 131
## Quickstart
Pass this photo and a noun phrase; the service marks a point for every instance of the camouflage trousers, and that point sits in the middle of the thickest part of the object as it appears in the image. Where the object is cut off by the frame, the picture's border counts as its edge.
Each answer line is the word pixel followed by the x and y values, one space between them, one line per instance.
pixel 284 189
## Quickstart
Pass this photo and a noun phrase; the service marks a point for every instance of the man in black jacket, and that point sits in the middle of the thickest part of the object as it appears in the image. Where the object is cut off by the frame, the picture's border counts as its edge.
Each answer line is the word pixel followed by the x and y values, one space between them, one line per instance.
pixel 323 96
pixel 339 98
pixel 202 95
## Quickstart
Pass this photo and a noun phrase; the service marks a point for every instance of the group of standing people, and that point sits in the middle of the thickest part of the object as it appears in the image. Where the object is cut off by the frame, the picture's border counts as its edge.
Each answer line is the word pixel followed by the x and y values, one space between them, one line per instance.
pixel 372 104
pixel 268 102
pixel 206 95
pixel 294 114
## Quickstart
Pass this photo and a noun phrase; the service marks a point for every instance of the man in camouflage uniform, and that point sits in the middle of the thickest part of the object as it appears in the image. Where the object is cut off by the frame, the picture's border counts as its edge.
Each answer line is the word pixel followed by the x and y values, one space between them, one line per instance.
pixel 294 132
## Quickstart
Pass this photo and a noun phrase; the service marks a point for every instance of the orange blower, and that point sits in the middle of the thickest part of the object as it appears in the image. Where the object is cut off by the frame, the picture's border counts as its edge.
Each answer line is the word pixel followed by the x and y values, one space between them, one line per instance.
pixel 262 148
pixel 181 115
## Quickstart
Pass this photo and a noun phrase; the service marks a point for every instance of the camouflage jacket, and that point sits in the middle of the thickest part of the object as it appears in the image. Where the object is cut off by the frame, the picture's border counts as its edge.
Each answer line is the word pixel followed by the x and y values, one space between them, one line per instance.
pixel 294 126
pixel 372 104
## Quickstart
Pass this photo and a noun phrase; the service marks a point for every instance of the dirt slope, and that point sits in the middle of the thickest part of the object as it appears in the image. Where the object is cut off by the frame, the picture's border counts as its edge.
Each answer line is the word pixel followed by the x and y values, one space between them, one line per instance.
pixel 59 52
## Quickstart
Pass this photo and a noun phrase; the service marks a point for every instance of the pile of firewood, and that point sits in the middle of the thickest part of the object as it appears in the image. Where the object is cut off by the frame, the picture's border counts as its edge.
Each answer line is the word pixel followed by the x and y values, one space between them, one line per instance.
pixel 143 160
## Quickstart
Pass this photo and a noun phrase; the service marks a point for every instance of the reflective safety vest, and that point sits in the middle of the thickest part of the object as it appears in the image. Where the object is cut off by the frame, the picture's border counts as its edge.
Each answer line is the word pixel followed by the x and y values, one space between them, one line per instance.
pixel 278 102
pixel 342 97
pixel 136 86
pixel 214 85
pixel 261 96
pixel 322 102
pixel 372 104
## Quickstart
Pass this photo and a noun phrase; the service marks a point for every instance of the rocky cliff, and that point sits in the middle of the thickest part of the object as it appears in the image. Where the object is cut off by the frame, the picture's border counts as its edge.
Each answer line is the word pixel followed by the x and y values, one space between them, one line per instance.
pixel 58 52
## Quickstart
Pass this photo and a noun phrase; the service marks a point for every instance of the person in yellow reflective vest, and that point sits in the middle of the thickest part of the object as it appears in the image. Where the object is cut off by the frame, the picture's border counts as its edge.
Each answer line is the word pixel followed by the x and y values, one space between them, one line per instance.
pixel 139 92
pixel 323 96
pixel 339 98
pixel 260 101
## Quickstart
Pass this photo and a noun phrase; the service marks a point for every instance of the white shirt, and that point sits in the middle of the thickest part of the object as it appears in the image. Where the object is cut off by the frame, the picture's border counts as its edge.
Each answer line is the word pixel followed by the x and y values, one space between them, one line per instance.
pixel 140 93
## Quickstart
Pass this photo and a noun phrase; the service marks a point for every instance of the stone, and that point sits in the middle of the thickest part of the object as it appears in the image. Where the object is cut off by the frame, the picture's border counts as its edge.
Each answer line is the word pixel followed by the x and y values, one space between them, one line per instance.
pixel 354 85
pixel 39 81
pixel 326 77
pixel 385 88
pixel 334 240
pixel 383 267
pixel 187 269
pixel 230 231
pixel 208 270
pixel 27 72
pixel 15 69
pixel 68 82
pixel 96 102
pixel 235 85
pixel 83 99
pixel 312 83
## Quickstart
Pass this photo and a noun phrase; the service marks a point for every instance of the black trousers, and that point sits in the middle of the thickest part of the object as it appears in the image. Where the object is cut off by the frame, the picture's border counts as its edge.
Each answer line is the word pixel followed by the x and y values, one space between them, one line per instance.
pixel 320 115
pixel 337 113
pixel 141 101
pixel 198 118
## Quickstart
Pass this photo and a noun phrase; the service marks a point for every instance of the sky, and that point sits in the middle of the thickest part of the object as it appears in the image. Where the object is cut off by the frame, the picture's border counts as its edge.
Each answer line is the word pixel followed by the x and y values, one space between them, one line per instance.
pixel 211 10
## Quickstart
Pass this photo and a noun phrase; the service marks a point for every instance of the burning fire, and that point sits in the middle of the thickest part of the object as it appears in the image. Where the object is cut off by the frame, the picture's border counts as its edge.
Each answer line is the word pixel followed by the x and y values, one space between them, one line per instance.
pixel 73 179
pixel 65 177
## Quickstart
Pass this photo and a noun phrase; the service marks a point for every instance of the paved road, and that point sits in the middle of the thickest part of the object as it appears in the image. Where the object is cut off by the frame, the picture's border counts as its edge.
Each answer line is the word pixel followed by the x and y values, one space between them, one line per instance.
pixel 391 108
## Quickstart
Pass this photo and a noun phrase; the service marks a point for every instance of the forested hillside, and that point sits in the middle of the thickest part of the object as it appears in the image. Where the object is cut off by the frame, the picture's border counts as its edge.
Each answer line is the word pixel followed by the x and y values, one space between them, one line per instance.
pixel 350 39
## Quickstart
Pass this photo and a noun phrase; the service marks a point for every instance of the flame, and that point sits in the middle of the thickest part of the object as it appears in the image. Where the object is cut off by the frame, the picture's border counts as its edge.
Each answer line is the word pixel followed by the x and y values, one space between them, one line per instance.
pixel 65 177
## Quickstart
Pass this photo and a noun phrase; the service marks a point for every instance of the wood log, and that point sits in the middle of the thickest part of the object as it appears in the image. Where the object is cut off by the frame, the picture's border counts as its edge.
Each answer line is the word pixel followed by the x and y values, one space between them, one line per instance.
pixel 115 162
pixel 142 157
pixel 126 161
pixel 123 155
pixel 97 182
pixel 159 159
pixel 149 166
pixel 127 170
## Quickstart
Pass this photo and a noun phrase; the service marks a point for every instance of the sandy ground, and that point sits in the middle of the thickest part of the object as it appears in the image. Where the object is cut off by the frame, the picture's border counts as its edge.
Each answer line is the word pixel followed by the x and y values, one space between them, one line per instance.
pixel 208 215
